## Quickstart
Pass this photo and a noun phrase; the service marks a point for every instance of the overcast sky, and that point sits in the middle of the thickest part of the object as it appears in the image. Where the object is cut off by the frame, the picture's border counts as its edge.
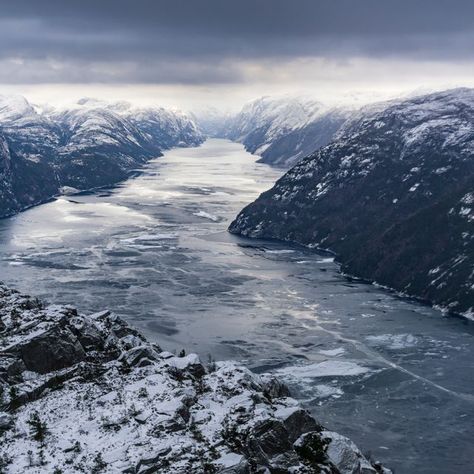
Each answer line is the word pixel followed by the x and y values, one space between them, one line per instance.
pixel 190 52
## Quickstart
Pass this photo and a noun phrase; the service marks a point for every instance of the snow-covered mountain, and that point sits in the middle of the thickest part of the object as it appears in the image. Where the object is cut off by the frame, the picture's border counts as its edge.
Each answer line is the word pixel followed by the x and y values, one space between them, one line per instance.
pixel 90 144
pixel 213 122
pixel 283 130
pixel 392 195
pixel 90 394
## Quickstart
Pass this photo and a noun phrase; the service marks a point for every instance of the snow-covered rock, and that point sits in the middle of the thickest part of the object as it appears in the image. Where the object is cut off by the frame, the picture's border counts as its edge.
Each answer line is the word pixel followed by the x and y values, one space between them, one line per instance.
pixel 283 130
pixel 90 394
pixel 91 144
pixel 391 195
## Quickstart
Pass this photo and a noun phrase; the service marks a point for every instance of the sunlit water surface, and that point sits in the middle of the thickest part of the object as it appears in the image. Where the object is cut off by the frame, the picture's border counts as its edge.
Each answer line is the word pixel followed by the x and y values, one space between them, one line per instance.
pixel 394 375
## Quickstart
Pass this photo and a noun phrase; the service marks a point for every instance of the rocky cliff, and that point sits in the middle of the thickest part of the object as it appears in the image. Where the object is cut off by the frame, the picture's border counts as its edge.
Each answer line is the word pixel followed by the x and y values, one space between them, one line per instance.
pixel 88 145
pixel 392 195
pixel 90 394
pixel 283 130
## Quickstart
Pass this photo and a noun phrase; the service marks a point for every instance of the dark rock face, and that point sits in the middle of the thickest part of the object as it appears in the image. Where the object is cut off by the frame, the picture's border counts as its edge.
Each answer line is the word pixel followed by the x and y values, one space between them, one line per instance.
pixel 283 130
pixel 392 195
pixel 92 145
pixel 286 150
pixel 52 350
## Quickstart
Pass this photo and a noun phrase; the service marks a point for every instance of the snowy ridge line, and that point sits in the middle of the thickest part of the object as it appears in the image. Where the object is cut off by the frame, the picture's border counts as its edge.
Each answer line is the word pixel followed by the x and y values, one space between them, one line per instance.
pixel 391 195
pixel 88 146
pixel 283 130
pixel 90 394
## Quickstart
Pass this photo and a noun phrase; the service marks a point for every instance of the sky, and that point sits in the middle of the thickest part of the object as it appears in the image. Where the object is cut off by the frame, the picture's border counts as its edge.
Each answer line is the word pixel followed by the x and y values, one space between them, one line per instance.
pixel 192 54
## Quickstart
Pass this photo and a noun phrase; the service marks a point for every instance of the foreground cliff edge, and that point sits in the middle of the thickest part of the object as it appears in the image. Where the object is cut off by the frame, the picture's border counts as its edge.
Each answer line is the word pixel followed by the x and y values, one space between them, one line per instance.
pixel 90 394
pixel 392 195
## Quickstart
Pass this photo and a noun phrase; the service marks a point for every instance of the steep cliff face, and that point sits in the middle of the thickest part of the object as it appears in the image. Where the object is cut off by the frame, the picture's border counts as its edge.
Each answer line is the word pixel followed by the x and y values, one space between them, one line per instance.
pixel 392 195
pixel 164 128
pixel 98 147
pixel 89 145
pixel 90 394
pixel 6 195
pixel 284 130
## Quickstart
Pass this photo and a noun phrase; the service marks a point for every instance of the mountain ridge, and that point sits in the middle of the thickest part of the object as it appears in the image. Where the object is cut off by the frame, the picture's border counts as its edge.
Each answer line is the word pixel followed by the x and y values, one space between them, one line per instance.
pixel 283 130
pixel 89 145
pixel 391 195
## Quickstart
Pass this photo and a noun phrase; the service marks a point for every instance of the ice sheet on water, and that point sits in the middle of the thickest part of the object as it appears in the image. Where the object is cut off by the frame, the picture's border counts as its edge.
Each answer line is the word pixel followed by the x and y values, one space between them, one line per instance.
pixel 327 368
pixel 332 352
pixel 394 341
pixel 206 215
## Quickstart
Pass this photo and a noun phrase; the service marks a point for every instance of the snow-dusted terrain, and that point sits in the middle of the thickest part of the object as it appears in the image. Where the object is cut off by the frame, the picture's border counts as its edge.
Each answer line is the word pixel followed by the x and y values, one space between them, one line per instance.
pixel 392 195
pixel 283 130
pixel 89 394
pixel 91 144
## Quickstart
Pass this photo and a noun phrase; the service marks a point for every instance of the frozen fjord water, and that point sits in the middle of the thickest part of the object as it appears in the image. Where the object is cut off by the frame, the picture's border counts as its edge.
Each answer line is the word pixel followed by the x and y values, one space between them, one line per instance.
pixel 394 375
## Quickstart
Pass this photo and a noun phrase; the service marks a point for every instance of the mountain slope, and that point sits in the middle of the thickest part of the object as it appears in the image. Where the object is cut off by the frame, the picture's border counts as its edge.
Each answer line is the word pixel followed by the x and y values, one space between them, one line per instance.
pixel 89 145
pixel 392 195
pixel 90 394
pixel 284 130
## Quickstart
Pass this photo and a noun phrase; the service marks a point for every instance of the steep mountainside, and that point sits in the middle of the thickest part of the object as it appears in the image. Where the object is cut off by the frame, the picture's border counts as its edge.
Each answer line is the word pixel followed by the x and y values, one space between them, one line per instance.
pixel 392 195
pixel 90 394
pixel 213 122
pixel 28 148
pixel 165 128
pixel 284 130
pixel 89 145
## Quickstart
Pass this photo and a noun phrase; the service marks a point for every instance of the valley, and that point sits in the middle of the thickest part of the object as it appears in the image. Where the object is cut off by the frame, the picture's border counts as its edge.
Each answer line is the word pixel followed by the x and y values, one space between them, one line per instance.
pixel 389 372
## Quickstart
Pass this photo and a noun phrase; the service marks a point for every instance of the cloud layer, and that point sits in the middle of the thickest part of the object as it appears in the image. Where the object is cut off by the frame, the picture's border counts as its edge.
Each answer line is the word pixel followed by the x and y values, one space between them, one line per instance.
pixel 202 42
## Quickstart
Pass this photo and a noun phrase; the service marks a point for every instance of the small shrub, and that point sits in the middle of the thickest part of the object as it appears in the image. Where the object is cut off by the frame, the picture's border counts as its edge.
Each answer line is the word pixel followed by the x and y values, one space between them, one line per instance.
pixel 143 393
pixel 13 392
pixel 38 429
pixel 313 448
pixel 99 464
pixel 5 461
pixel 196 432
pixel 176 374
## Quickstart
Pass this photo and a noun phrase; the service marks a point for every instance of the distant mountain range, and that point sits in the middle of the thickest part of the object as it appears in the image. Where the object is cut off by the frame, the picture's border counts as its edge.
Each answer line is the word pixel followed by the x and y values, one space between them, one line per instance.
pixel 282 130
pixel 392 195
pixel 89 145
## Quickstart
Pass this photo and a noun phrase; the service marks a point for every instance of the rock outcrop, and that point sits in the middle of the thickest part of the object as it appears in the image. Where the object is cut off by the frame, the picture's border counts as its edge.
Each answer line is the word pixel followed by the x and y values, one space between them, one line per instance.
pixel 90 394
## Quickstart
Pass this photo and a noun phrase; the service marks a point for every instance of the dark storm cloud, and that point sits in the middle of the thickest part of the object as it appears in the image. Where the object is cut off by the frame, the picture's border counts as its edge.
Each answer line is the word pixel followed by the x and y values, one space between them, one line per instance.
pixel 202 41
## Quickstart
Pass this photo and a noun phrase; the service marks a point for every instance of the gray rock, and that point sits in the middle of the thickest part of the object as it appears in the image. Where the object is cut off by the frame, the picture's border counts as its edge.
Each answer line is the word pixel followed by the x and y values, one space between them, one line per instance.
pixel 299 422
pixel 274 388
pixel 346 456
pixel 241 468
pixel 6 421
pixel 137 355
pixel 269 438
pixel 87 332
pixel 152 463
pixel 52 350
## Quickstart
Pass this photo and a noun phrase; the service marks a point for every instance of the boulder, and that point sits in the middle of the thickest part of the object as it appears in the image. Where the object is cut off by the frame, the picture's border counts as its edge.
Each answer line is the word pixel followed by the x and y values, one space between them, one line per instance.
pixel 299 422
pixel 52 350
pixel 267 439
pixel 345 455
pixel 6 421
pixel 87 332
pixel 274 388
pixel 139 356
